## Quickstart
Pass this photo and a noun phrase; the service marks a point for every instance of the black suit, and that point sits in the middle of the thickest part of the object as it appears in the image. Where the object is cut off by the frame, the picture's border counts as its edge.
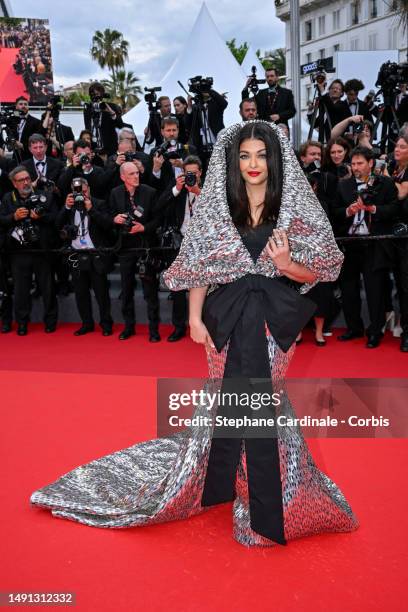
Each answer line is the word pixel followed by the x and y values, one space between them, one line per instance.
pixel 90 270
pixel 24 263
pixel 32 126
pixel 362 109
pixel 99 180
pixel 215 117
pixel 279 103
pixel 107 128
pixel 119 202
pixel 370 258
pixel 172 209
pixel 167 176
pixel 53 169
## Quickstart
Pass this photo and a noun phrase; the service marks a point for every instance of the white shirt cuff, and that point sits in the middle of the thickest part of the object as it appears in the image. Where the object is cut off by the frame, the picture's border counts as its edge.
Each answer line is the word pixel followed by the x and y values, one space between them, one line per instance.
pixel 175 191
pixel 157 173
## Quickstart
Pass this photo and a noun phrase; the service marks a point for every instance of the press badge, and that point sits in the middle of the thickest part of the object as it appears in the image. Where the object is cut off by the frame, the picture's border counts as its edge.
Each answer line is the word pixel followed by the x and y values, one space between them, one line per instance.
pixel 138 211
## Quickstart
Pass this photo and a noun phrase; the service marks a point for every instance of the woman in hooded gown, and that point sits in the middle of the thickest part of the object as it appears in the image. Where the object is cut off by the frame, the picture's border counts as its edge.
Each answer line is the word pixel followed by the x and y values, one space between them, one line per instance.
pixel 257 241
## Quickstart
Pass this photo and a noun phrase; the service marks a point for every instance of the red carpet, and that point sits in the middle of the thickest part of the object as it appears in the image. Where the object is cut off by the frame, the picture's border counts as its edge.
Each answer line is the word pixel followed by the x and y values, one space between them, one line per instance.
pixel 68 400
pixel 11 84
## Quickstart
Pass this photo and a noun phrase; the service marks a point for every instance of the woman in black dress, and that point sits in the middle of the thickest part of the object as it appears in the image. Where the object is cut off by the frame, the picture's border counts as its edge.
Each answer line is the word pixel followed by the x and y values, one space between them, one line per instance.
pixel 252 234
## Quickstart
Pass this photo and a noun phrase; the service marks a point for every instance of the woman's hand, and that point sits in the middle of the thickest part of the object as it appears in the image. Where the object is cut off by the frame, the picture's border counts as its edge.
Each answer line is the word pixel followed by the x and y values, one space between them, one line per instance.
pixel 199 333
pixel 279 251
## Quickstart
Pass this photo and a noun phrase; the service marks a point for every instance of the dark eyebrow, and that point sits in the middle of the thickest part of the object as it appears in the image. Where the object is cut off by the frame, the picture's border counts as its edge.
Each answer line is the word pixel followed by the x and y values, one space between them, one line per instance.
pixel 259 151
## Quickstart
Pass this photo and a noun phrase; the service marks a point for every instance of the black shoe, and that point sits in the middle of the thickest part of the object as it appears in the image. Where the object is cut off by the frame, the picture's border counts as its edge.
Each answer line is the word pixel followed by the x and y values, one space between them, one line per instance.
pixel 320 342
pixel 107 331
pixel 404 344
pixel 6 329
pixel 22 329
pixel 85 329
pixel 154 336
pixel 50 329
pixel 373 340
pixel 350 335
pixel 176 335
pixel 127 333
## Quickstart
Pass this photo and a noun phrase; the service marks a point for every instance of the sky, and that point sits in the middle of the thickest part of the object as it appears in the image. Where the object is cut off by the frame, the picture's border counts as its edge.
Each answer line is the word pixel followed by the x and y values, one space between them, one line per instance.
pixel 155 29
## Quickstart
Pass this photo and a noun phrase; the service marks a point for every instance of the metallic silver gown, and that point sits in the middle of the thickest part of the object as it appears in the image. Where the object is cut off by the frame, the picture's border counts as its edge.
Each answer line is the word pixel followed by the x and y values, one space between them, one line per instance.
pixel 163 479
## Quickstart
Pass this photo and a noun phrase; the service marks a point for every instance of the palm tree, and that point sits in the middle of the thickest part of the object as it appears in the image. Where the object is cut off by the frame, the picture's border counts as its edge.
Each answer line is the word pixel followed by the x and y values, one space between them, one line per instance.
pixel 123 89
pixel 109 49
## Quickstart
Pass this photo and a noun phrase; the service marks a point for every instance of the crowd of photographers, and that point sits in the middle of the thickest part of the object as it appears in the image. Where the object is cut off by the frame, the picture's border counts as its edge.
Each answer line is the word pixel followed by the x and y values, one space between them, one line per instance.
pixel 70 209
pixel 33 61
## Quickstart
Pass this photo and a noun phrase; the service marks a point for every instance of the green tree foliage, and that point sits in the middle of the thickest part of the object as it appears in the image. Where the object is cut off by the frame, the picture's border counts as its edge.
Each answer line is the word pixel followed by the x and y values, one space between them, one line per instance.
pixel 238 52
pixel 123 89
pixel 110 50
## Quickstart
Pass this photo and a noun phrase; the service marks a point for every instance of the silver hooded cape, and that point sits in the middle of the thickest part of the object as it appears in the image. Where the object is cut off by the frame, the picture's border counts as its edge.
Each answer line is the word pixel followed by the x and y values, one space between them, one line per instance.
pixel 212 251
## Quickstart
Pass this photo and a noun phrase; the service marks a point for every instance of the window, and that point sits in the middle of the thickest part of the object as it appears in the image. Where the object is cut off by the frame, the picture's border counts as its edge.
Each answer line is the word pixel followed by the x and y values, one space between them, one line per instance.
pixel 336 48
pixel 355 13
pixel 354 44
pixel 308 94
pixel 392 38
pixel 321 53
pixel 372 41
pixel 308 58
pixel 308 30
pixel 322 25
pixel 336 20
pixel 373 9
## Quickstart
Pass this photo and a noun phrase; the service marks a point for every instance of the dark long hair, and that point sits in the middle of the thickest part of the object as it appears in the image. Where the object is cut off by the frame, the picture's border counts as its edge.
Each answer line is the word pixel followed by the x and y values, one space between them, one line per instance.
pixel 328 165
pixel 236 191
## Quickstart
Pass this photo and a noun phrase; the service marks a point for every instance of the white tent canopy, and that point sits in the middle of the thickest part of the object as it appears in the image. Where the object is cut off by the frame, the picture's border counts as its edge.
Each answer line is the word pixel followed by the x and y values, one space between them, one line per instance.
pixel 204 53
pixel 251 59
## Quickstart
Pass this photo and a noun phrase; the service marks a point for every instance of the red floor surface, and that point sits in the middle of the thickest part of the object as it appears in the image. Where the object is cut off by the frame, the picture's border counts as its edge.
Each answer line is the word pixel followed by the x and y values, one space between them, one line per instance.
pixel 11 84
pixel 68 400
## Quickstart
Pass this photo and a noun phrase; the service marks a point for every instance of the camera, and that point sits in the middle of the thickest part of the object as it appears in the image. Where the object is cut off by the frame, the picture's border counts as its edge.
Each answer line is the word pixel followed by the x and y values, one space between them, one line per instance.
pixel 128 223
pixel 391 74
pixel 129 156
pixel 163 149
pixel 151 97
pixel 84 159
pixel 55 107
pixel 79 200
pixel 254 82
pixel 199 85
pixel 45 184
pixel 358 128
pixel 369 193
pixel 317 70
pixel 400 229
pixel 190 179
pixel 69 232
pixel 97 102
pixel 29 232
pixel 37 203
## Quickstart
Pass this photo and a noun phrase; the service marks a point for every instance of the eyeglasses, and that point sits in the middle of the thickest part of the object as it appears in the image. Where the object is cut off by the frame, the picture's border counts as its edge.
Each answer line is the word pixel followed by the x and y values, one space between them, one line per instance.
pixel 26 179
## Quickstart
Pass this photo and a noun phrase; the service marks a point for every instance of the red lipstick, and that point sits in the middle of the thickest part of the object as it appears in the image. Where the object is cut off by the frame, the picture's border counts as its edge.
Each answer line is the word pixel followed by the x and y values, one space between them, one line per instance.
pixel 254 173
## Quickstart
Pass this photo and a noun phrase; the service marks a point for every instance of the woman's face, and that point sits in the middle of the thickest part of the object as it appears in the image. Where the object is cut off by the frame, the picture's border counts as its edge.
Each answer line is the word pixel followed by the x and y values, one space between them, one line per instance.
pixel 337 154
pixel 252 161
pixel 179 107
pixel 401 152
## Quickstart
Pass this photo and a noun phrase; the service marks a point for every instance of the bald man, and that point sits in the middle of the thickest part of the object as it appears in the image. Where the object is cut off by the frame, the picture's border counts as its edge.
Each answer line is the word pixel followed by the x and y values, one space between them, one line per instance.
pixel 132 207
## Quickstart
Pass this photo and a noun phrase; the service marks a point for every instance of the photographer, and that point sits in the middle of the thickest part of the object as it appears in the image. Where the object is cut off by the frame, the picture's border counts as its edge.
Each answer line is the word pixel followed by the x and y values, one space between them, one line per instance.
pixel 44 170
pixel 27 223
pixel 324 186
pixel 180 109
pixel 248 109
pixel 275 103
pixel 133 210
pixel 101 119
pixel 177 206
pixel 364 205
pixel 167 160
pixel 352 105
pixel 205 115
pixel 127 152
pixel 84 223
pixel 56 134
pixel 398 171
pixel 24 125
pixel 330 110
pixel 99 179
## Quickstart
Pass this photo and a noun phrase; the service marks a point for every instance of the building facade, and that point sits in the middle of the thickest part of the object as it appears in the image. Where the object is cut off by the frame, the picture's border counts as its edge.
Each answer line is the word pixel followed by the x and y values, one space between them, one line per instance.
pixel 329 26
